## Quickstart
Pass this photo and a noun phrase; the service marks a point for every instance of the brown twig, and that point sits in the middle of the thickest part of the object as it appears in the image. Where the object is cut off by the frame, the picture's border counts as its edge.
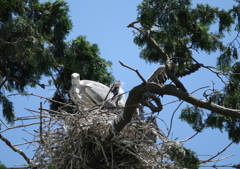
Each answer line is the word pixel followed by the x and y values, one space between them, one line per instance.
pixel 217 166
pixel 41 97
pixel 178 108
pixel 41 138
pixel 15 149
pixel 204 161
pixel 135 70
pixel 24 125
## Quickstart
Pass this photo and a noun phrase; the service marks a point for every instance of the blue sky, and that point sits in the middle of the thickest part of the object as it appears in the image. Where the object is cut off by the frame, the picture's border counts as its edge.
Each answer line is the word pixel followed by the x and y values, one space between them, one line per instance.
pixel 104 23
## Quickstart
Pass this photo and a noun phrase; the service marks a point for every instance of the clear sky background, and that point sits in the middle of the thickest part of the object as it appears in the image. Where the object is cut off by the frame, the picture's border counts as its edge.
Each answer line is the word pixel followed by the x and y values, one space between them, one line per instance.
pixel 104 23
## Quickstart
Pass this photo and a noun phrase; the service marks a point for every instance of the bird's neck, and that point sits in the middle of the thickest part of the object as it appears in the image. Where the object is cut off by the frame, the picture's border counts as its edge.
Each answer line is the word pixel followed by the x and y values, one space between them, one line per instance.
pixel 76 82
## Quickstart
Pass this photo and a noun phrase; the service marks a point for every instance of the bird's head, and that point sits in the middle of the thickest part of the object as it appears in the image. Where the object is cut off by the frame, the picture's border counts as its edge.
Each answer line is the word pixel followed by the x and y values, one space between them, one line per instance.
pixel 75 78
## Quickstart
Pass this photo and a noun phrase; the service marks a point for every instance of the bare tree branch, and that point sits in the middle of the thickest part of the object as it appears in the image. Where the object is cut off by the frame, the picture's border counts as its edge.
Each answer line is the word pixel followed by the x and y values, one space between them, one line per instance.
pixel 41 97
pixel 217 153
pixel 19 81
pixel 135 70
pixel 178 108
pixel 15 149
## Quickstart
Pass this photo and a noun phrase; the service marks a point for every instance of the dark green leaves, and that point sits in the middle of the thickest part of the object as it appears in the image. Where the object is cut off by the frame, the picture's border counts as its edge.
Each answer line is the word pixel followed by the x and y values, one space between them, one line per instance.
pixel 223 123
pixel 32 44
pixel 194 117
pixel 2 166
pixel 179 28
pixel 225 21
pixel 7 108
pixel 84 58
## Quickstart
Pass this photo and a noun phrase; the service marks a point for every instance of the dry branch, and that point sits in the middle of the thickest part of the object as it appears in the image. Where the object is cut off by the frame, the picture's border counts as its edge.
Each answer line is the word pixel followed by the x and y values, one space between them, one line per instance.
pixel 135 70
pixel 15 149
pixel 210 159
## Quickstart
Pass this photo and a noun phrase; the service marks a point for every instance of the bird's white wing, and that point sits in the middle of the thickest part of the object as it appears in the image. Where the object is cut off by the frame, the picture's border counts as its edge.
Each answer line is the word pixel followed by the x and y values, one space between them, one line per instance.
pixel 98 93
pixel 80 98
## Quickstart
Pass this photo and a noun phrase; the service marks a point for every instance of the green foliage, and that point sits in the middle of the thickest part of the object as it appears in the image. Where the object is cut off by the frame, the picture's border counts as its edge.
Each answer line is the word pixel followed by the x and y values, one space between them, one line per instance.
pixel 228 124
pixel 7 108
pixel 2 166
pixel 228 97
pixel 83 57
pixel 24 26
pixel 50 166
pixel 182 157
pixel 193 116
pixel 32 43
pixel 179 28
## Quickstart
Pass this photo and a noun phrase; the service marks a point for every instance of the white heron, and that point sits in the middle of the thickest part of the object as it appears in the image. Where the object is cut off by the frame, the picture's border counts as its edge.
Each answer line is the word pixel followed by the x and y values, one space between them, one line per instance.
pixel 88 93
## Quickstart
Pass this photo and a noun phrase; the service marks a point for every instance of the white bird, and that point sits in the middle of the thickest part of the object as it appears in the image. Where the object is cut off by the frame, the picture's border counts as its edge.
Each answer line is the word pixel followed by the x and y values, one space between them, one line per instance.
pixel 87 93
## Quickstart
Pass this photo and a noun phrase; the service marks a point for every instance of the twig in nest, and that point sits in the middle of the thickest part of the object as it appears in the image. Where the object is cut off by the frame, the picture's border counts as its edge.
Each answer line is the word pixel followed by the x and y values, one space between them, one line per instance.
pixel 41 97
pixel 24 125
pixel 41 123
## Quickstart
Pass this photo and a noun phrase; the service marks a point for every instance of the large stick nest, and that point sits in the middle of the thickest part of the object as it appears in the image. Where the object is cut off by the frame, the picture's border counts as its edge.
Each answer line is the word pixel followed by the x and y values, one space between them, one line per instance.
pixel 72 140
pixel 81 140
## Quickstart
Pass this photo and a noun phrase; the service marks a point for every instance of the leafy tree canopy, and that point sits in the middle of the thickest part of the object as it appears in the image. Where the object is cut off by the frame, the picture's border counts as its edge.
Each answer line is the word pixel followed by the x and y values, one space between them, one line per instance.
pixel 32 43
pixel 178 28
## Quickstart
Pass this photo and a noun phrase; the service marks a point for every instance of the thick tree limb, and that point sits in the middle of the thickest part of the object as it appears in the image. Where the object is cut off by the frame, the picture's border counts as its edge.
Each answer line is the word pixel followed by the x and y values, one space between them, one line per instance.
pixel 147 103
pixel 174 91
pixel 137 92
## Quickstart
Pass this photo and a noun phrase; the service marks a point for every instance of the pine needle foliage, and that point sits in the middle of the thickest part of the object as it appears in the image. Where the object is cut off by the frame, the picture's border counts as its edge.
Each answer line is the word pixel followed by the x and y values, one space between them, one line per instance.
pixel 180 29
pixel 32 43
